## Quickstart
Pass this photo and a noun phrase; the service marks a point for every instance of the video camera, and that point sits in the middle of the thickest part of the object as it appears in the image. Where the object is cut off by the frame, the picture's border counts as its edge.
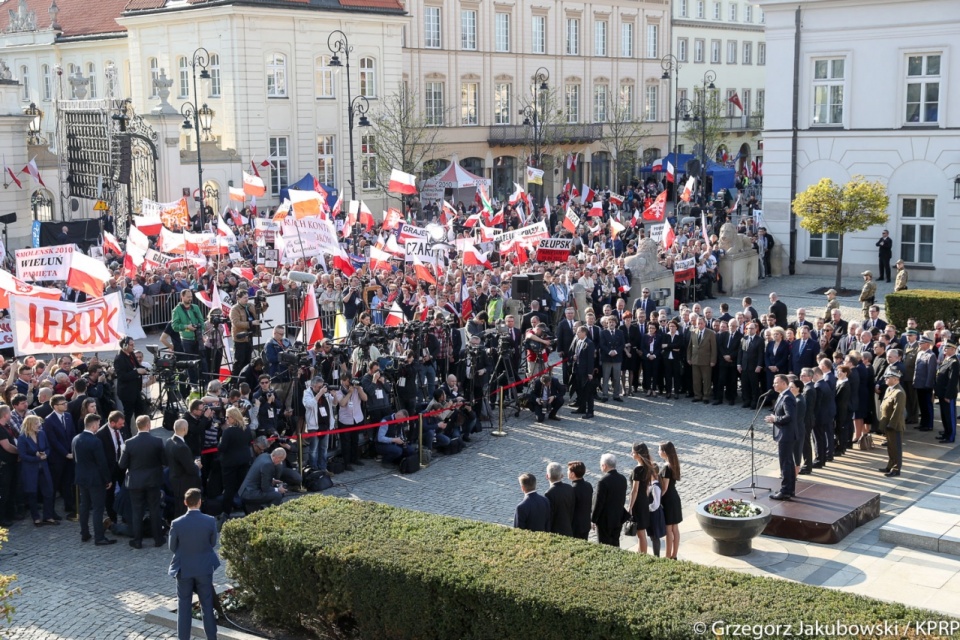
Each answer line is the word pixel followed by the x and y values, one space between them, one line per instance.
pixel 296 357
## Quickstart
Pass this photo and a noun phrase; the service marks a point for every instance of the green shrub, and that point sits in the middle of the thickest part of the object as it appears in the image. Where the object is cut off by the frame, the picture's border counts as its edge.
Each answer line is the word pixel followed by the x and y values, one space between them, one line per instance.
pixel 925 305
pixel 405 574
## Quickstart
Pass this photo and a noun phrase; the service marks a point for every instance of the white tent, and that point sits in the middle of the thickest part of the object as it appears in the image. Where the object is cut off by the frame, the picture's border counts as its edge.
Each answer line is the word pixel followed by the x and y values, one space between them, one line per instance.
pixel 453 177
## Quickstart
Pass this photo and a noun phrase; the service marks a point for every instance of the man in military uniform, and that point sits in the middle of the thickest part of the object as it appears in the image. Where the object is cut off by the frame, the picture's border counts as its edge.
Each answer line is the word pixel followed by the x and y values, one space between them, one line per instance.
pixel 832 303
pixel 892 421
pixel 924 378
pixel 902 277
pixel 910 350
pixel 947 385
pixel 868 293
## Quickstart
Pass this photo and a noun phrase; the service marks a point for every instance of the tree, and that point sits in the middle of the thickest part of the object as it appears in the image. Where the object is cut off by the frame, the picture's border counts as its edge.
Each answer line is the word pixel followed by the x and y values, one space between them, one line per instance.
pixel 706 128
pixel 6 592
pixel 404 140
pixel 544 136
pixel 827 207
pixel 623 136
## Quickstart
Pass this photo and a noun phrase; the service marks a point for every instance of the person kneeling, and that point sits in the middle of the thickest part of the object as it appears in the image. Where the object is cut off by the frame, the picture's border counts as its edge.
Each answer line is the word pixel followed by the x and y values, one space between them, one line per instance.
pixel 546 396
pixel 262 486
pixel 391 447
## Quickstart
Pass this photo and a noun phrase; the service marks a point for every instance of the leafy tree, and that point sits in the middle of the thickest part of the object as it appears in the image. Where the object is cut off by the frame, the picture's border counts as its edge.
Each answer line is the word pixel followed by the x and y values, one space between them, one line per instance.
pixel 6 592
pixel 705 127
pixel 623 136
pixel 827 207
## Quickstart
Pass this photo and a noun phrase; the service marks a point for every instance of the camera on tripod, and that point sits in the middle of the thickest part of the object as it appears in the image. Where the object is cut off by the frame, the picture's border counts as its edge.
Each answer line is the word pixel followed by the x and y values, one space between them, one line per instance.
pixel 219 319
pixel 295 358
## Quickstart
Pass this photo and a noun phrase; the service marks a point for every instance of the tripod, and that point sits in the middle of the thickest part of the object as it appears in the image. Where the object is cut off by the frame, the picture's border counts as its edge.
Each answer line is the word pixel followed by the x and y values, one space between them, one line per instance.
pixel 169 401
pixel 503 369
pixel 752 489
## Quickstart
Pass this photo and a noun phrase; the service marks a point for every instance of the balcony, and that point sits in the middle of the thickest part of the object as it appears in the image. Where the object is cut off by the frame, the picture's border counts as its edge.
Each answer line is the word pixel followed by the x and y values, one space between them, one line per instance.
pixel 742 123
pixel 505 135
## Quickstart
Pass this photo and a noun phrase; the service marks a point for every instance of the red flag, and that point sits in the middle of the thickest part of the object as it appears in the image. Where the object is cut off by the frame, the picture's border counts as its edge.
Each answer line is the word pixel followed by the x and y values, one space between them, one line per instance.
pixel 366 217
pixel 110 243
pixel 379 260
pixel 596 210
pixel 669 237
pixel 392 219
pixel 422 272
pixel 473 221
pixel 34 172
pixel 497 219
pixel 571 220
pixel 520 255
pixel 87 274
pixel 311 331
pixel 16 180
pixel 587 195
pixel 735 99
pixel 340 261
pixel 688 189
pixel 656 210
pixel 253 166
pixel 473 257
pixel 243 272
pixel 395 317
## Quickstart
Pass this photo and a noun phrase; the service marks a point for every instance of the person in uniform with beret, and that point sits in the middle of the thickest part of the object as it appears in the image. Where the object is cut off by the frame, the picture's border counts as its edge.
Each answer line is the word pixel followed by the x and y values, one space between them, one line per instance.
pixel 832 303
pixel 892 421
pixel 902 277
pixel 868 294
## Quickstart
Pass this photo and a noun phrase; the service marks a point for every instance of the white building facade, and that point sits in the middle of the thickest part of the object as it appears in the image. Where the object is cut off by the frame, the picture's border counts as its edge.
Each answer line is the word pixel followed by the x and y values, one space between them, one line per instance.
pixel 879 96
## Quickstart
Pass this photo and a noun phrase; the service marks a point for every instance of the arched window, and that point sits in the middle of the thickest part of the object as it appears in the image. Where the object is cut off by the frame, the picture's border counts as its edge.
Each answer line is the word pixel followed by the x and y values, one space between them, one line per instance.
pixel 154 76
pixel 112 78
pixel 41 203
pixel 277 76
pixel 47 83
pixel 92 74
pixel 25 81
pixel 214 69
pixel 183 87
pixel 368 79
pixel 323 77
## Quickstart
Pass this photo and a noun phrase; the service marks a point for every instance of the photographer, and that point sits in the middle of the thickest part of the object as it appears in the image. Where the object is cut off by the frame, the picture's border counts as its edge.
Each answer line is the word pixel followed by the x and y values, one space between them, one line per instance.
pixel 476 365
pixel 390 444
pixel 327 362
pixel 430 351
pixel 245 325
pixel 377 388
pixel 188 322
pixel 406 386
pixel 267 406
pixel 465 416
pixel 349 398
pixel 546 396
pixel 314 423
pixel 437 428
pixel 278 344
pixel 129 379
pixel 352 303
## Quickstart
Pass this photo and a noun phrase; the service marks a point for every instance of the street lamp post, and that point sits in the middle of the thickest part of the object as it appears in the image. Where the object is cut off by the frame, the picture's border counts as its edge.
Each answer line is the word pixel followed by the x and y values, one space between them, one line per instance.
pixel 708 77
pixel 33 127
pixel 358 106
pixel 671 67
pixel 201 116
pixel 533 115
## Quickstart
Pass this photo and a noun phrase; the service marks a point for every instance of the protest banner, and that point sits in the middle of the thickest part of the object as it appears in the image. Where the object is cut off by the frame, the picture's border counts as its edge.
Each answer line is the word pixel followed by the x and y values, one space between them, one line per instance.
pixel 265 228
pixel 684 269
pixel 426 251
pixel 408 231
pixel 52 326
pixel 44 263
pixel 526 236
pixel 173 215
pixel 11 285
pixel 6 334
pixel 554 249
pixel 656 232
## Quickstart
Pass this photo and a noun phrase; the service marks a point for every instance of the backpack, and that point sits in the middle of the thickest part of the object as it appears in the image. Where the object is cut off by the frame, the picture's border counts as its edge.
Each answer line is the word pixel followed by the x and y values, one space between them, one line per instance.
pixel 315 480
pixel 455 446
pixel 410 464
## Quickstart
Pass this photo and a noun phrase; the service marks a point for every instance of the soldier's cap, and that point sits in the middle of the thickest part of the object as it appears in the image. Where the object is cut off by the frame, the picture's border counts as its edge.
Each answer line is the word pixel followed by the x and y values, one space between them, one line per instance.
pixel 950 344
pixel 830 292
pixel 867 273
pixel 911 332
pixel 926 339
pixel 900 261
pixel 892 372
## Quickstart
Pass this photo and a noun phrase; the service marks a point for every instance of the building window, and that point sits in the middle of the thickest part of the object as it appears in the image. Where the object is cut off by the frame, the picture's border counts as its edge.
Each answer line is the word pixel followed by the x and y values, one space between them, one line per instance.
pixel 731 108
pixel 502 34
pixel 183 87
pixel 572 103
pixel 72 70
pixel 717 11
pixel 653 41
pixel 626 40
pixel 25 81
pixel 683 8
pixel 468 30
pixel 701 9
pixel 277 76
pixel 502 103
pixel 733 12
pixel 368 162
pixel 763 18
pixel 326 163
pixel 600 103
pixel 761 53
pixel 917 216
pixel 731 52
pixel 698 47
pixel 433 95
pixel 828 91
pixel 825 246
pixel 747 53
pixel 368 77
pixel 746 101
pixel 573 36
pixel 715 52
pixel 154 76
pixel 626 103
pixel 431 27
pixel 322 77
pixel 761 97
pixel 923 89
pixel 748 13
pixel 214 69
pixel 47 83
pixel 469 95
pixel 92 76
pixel 682 49
pixel 539 34
pixel 650 103
pixel 600 38
pixel 280 175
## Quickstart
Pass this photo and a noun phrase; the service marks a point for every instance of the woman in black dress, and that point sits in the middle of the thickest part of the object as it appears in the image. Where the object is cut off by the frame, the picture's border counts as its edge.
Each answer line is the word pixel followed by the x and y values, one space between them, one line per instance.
pixel 639 500
pixel 672 509
pixel 844 428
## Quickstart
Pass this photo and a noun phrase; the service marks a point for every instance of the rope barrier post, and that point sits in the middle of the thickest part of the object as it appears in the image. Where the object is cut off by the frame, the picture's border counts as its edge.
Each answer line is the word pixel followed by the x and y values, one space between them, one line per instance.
pixel 420 442
pixel 500 432
pixel 300 449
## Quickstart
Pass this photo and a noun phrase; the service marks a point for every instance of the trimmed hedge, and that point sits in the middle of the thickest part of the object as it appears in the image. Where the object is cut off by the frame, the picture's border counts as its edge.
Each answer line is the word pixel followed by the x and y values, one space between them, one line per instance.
pixel 399 574
pixel 926 305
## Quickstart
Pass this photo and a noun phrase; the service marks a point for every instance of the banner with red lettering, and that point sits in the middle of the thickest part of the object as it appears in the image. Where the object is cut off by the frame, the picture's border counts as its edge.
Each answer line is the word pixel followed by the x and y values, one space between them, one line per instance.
pixel 173 215
pixel 52 326
pixel 6 334
pixel 554 249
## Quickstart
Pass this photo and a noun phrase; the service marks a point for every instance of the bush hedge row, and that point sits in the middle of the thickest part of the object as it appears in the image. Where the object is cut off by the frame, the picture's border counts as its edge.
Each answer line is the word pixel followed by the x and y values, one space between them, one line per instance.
pixel 399 574
pixel 926 305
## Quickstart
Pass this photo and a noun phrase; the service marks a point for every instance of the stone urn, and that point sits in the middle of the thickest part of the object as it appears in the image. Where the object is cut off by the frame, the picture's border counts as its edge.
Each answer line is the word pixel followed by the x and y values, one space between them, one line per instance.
pixel 733 536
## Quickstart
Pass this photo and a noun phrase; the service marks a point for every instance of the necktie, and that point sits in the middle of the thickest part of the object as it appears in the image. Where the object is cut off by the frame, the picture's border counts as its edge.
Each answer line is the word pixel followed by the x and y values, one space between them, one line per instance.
pixel 116 438
pixel 700 337
pixel 63 421
pixel 803 343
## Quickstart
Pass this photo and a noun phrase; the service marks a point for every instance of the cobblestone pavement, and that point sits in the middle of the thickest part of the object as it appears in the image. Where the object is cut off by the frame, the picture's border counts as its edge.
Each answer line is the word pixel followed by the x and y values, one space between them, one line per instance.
pixel 74 590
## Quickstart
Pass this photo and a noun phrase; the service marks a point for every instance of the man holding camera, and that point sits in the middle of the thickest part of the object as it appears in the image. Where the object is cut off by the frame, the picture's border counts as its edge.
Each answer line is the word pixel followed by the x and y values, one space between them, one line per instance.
pixel 537 346
pixel 352 303
pixel 267 405
pixel 277 345
pixel 244 322
pixel 350 398
pixel 377 388
pixel 188 322
pixel 129 374
pixel 546 396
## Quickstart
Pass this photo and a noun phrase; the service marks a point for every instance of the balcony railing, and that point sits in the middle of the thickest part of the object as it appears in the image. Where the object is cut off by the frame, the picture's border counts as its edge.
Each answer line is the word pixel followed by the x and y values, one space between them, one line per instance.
pixel 518 134
pixel 743 123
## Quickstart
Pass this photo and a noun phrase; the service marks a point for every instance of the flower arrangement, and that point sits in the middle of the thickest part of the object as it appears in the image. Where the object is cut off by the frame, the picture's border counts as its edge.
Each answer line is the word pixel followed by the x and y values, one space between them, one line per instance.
pixel 730 508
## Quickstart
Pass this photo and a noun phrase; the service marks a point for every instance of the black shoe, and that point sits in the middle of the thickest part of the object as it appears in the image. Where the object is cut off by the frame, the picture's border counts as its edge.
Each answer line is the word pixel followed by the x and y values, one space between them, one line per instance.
pixel 731 402
pixel 715 402
pixel 817 464
pixel 806 471
pixel 348 467
pixel 883 469
pixel 465 438
pixel 587 416
pixel 57 517
pixel 924 429
pixel 892 474
pixel 357 463
pixel 539 418
pixel 106 541
pixel 780 495
pixel 85 537
pixel 577 411
pixel 829 458
pixel 618 399
pixel 159 543
pixel 136 544
pixel 604 399
pixel 554 416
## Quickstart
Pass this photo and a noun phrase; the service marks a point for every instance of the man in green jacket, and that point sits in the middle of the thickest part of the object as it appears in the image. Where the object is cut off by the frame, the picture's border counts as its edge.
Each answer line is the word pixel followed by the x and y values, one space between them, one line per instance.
pixel 188 322
pixel 892 421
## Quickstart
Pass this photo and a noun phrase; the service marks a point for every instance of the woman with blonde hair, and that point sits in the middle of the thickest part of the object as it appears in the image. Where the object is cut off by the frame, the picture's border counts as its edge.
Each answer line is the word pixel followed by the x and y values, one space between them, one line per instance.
pixel 235 455
pixel 34 448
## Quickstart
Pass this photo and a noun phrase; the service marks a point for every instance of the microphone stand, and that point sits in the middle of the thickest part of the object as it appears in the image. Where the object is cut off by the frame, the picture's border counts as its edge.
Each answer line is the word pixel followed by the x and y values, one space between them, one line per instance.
pixel 752 489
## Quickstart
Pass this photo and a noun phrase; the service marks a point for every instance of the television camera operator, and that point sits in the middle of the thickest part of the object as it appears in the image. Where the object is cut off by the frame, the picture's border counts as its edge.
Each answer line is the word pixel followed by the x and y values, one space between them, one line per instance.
pixel 268 407
pixel 129 374
pixel 378 389
pixel 245 325
pixel 538 342
pixel 476 367
pixel 328 361
pixel 277 345
pixel 406 385
pixel 189 323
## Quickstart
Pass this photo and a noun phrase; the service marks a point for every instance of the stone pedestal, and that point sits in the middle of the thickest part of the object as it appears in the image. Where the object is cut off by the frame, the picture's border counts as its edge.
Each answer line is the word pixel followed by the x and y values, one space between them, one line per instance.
pixel 664 281
pixel 739 271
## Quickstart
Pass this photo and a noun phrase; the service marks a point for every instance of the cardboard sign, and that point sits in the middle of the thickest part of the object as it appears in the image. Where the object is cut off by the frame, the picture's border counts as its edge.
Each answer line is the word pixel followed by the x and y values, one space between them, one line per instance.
pixel 408 231
pixel 44 263
pixel 554 249
pixel 265 229
pixel 656 232
pixel 52 326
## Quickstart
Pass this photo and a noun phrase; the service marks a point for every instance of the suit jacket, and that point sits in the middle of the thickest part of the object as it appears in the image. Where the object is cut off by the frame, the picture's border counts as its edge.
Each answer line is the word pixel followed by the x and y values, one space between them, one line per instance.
pixel 258 483
pixel 73 408
pixel 796 325
pixel 536 390
pixel 806 357
pixel 649 306
pixel 43 410
pixel 611 341
pixel 672 345
pixel 750 311
pixel 785 418
pixel 60 436
pixel 586 360
pixel 565 336
pixel 826 409
pixel 184 473
pixel 728 345
pixel 780 359
pixel 533 513
pixel 839 327
pixel 128 380
pixel 948 378
pixel 608 503
pixel 593 332
pixel 142 459
pixel 702 351
pixel 193 538
pixel 105 436
pixel 879 323
pixel 751 353
pixel 91 470
pixel 779 310
pixel 810 401
pixel 583 503
pixel 563 502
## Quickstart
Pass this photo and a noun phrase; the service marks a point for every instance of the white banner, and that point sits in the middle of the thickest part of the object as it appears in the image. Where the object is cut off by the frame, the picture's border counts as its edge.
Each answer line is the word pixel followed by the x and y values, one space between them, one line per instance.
pixel 424 250
pixel 52 326
pixel 656 232
pixel 44 263
pixel 527 236
pixel 408 231
pixel 6 334
pixel 308 237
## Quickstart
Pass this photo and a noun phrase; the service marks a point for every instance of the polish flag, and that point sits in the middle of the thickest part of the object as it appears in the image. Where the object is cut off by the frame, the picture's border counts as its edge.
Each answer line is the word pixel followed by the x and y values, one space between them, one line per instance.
pixel 129 267
pixel 366 217
pixel 616 199
pixel 571 221
pixel 596 209
pixel 447 213
pixel 688 189
pixel 149 226
pixel 342 262
pixel 137 242
pixel 395 318
pixel 253 165
pixel 498 219
pixel 224 230
pixel 655 212
pixel 337 206
pixel 311 331
pixel 392 219
pixel 657 166
pixel 473 257
pixel 575 192
pixel 517 196
pixel 393 248
pixel 19 184
pixel 671 172
pixel 237 195
pixel 282 211
pixel 587 195
pixel 669 237
pixel 243 272
pixel 34 172
pixel 486 233
pixel 110 243
pixel 253 185
pixel 473 221
pixel 520 255
pixel 423 273
pixel 400 182
pixel 9 284
pixel 87 274
pixel 615 228
pixel 379 260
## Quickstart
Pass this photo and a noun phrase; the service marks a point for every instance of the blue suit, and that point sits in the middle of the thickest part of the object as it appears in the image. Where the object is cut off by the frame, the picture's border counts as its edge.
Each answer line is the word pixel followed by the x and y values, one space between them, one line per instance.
pixel 60 435
pixel 533 513
pixel 785 421
pixel 803 358
pixel 780 360
pixel 193 537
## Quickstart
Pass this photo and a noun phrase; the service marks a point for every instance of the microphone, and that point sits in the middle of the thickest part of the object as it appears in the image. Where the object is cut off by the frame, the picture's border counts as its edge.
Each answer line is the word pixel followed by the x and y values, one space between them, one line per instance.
pixel 765 394
pixel 302 276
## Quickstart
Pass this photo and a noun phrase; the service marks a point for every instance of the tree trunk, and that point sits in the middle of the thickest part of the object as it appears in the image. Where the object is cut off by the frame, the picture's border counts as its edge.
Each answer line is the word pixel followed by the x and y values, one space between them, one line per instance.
pixel 839 263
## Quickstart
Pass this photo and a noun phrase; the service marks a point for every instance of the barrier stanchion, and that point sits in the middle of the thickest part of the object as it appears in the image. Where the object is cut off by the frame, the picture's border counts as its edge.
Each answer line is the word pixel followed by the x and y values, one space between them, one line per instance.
pixel 300 450
pixel 420 442
pixel 500 432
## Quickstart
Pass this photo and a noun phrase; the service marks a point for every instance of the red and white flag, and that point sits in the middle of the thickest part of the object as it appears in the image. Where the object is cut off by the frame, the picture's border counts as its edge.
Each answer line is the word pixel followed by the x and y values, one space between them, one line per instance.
pixel 587 195
pixel 447 213
pixel 12 175
pixel 473 221
pixel 423 273
pixel 669 237
pixel 671 172
pixel 473 257
pixel 615 228
pixel 311 329
pixel 400 182
pixel 110 243
pixel 688 189
pixel 395 318
pixel 655 212
pixel 342 262
pixel 596 210
pixel 735 99
pixel 380 260
pixel 253 166
pixel 617 199
pixel 392 219
pixel 237 195
pixel 365 217
pixel 571 221
pixel 253 185
pixel 517 196
pixel 87 274
pixel 34 172
pixel 657 166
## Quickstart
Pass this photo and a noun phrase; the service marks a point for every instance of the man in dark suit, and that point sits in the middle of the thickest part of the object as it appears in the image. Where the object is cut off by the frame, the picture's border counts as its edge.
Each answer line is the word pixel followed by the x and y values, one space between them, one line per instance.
pixel 562 500
pixel 184 472
pixel 583 499
pixel 111 439
pixel 42 410
pixel 750 365
pixel 129 374
pixel 810 397
pixel 874 321
pixel 779 310
pixel 826 413
pixel 546 396
pixel 748 309
pixel 60 432
pixel 839 324
pixel 608 505
pixel 784 421
pixel 728 348
pixel 801 321
pixel 527 320
pixel 611 359
pixel 566 334
pixel 645 303
pixel 803 351
pixel 533 512
pixel 193 538
pixel 261 487
pixel 885 253
pixel 584 357
pixel 142 459
pixel 79 395
pixel 92 477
